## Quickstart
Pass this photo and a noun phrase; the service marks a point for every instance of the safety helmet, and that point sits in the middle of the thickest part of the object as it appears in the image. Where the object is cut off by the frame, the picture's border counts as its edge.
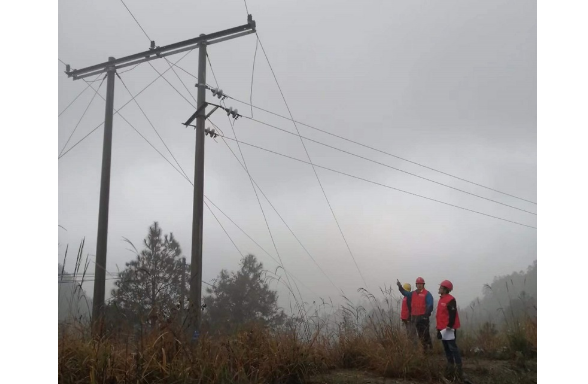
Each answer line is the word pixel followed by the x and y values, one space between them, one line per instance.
pixel 420 280
pixel 447 284
pixel 407 287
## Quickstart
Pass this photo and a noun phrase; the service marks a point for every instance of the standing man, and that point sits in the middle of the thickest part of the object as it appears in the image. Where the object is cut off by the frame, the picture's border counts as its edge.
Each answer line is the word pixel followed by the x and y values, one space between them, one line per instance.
pixel 448 319
pixel 405 314
pixel 405 309
pixel 421 303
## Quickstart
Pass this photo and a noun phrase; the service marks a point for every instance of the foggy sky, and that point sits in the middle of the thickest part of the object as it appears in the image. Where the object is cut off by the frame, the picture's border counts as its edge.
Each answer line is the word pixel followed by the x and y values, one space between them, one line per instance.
pixel 451 85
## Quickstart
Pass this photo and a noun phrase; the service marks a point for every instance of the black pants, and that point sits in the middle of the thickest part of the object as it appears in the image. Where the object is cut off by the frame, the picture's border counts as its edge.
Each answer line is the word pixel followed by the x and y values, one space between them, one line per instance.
pixel 422 327
pixel 451 350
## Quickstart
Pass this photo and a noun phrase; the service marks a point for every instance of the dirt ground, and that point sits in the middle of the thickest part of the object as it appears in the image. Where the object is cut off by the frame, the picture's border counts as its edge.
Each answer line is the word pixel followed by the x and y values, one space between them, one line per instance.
pixel 476 371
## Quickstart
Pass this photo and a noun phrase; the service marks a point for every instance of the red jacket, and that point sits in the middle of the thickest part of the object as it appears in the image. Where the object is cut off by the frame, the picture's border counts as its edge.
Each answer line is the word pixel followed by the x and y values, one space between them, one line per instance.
pixel 418 303
pixel 404 312
pixel 447 315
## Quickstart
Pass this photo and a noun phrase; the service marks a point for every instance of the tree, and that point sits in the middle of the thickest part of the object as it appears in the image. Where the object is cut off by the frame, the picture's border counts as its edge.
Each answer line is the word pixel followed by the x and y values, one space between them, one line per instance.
pixel 241 298
pixel 508 297
pixel 150 285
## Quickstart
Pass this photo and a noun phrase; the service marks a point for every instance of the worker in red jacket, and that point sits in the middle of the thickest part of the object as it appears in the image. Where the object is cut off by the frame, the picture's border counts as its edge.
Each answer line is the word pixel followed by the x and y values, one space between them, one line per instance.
pixel 405 310
pixel 421 302
pixel 448 321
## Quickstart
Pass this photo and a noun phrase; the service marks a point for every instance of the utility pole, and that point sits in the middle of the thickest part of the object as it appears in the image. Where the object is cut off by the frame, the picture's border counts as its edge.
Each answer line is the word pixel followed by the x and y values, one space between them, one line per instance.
pixel 183 291
pixel 195 311
pixel 110 67
pixel 100 270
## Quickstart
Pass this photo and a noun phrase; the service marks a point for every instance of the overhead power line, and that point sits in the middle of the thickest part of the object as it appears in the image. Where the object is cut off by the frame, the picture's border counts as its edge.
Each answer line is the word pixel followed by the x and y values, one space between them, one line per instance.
pixel 255 192
pixel 81 117
pixel 386 165
pixel 367 146
pixel 377 183
pixel 310 160
pixel 136 21
pixel 124 105
pixel 280 216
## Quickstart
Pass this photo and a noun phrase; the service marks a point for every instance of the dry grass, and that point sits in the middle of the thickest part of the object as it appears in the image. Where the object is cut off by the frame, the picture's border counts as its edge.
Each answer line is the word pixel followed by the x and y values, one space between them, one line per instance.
pixel 351 338
pixel 255 355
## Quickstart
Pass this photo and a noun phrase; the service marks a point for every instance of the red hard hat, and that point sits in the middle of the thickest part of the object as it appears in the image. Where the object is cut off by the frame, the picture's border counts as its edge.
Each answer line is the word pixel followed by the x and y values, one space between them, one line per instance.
pixel 447 284
pixel 420 280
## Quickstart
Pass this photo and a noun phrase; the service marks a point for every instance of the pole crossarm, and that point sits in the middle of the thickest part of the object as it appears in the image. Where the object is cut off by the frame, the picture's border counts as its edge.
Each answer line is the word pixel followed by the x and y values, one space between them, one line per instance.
pixel 159 52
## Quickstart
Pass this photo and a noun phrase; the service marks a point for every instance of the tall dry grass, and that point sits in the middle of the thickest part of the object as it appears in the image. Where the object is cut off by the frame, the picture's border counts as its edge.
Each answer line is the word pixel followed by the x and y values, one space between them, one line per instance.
pixel 368 337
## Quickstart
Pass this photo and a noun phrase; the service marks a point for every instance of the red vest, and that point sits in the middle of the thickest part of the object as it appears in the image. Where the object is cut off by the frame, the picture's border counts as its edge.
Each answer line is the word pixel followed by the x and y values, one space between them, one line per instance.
pixel 443 313
pixel 404 314
pixel 418 304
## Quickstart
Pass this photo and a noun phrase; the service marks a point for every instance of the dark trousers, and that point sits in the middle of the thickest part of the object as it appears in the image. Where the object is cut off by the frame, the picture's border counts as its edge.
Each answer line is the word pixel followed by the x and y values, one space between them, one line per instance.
pixel 422 327
pixel 410 330
pixel 451 351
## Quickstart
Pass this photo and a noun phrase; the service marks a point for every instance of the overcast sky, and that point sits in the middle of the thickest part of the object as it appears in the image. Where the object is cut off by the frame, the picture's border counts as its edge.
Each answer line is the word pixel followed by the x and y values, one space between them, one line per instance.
pixel 450 85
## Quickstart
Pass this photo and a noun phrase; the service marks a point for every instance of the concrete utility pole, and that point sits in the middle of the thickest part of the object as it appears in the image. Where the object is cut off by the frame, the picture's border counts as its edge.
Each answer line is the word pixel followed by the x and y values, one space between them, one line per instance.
pixel 110 67
pixel 100 270
pixel 195 311
pixel 183 288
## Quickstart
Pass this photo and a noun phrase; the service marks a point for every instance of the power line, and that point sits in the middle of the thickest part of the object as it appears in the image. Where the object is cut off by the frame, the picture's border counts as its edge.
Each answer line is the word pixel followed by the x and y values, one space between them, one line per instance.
pixel 140 134
pixel 258 41
pixel 210 63
pixel 374 182
pixel 160 75
pixel 152 146
pixel 310 160
pixel 108 278
pixel 182 173
pixel 378 150
pixel 211 69
pixel 252 73
pixel 191 183
pixel 182 69
pixel 280 216
pixel 92 81
pixel 260 247
pixel 189 73
pixel 224 230
pixel 179 78
pixel 79 94
pixel 171 85
pixel 254 190
pixel 82 139
pixel 124 105
pixel 80 120
pixel 152 126
pixel 180 167
pixel 148 38
pixel 84 280
pixel 209 200
pixel 136 21
pixel 260 205
pixel 130 69
pixel 388 166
